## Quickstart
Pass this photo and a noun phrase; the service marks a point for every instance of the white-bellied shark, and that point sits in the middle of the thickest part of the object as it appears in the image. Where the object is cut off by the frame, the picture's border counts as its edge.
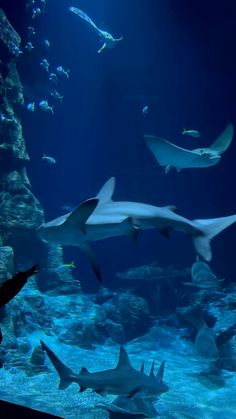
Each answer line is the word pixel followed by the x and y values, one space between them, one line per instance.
pixel 170 155
pixel 101 217
pixel 123 380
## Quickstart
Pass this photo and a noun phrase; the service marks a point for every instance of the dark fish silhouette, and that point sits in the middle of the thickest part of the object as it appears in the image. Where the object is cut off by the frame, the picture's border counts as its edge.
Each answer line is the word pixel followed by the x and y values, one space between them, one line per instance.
pixel 12 286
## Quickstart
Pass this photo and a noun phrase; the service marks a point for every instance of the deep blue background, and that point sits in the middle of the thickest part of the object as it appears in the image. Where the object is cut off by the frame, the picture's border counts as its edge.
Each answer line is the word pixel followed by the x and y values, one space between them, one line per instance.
pixel 178 57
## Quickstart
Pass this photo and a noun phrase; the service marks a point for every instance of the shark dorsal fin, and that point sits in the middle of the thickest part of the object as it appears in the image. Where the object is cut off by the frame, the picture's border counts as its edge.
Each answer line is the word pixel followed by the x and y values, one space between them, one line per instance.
pixel 107 190
pixel 83 371
pixel 124 361
pixel 79 216
pixel 160 373
pixel 152 369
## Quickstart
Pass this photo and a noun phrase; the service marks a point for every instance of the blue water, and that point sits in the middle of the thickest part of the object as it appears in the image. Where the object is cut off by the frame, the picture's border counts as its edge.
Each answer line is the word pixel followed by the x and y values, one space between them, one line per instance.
pixel 175 57
pixel 178 58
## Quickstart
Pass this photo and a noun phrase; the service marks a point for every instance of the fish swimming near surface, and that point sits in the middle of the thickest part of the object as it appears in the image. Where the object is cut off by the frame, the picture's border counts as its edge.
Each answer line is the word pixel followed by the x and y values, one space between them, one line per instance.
pixel 170 155
pixel 123 380
pixel 101 217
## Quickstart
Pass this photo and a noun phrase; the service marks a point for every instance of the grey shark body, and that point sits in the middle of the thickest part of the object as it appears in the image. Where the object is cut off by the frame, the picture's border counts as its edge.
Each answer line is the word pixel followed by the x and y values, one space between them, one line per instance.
pixel 101 217
pixel 123 380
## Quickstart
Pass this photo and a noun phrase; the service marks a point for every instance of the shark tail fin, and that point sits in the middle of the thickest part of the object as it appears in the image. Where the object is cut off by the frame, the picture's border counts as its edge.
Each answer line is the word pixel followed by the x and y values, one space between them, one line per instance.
pixel 65 373
pixel 209 228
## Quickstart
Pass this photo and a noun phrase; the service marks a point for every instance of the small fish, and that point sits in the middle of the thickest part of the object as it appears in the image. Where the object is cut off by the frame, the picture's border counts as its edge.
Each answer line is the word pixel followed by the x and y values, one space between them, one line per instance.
pixel 44 106
pixel 53 78
pixel 64 267
pixel 36 12
pixel 31 31
pixel 56 95
pixel 192 132
pixel 29 46
pixel 45 64
pixel 47 43
pixel 62 72
pixel 49 159
pixel 30 107
pixel 145 110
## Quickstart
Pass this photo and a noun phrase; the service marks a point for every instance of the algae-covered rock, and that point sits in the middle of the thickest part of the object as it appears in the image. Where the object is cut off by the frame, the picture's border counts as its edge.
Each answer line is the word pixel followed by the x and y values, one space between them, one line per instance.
pixel 6 263
pixel 8 35
pixel 130 311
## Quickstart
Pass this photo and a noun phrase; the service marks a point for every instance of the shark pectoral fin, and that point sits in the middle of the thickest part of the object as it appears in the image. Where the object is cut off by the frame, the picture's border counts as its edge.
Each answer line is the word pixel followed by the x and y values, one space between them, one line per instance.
pixel 134 230
pixel 92 260
pixel 137 391
pixel 79 216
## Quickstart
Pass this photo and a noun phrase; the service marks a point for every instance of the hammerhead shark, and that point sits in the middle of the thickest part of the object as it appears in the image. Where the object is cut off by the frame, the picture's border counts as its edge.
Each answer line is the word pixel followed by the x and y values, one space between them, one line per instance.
pixel 123 380
pixel 101 217
pixel 170 155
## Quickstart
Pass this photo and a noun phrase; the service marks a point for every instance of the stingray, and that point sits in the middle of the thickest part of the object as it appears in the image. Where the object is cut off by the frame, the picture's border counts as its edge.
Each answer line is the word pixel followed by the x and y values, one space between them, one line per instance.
pixel 170 155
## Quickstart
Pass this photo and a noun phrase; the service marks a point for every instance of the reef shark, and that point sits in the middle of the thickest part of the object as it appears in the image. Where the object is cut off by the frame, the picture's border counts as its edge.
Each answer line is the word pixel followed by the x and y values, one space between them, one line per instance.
pixel 170 155
pixel 101 217
pixel 123 380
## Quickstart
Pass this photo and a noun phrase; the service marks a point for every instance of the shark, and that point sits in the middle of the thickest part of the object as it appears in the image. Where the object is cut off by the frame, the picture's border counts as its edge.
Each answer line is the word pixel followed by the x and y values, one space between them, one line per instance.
pixel 123 380
pixel 126 407
pixel 101 218
pixel 170 155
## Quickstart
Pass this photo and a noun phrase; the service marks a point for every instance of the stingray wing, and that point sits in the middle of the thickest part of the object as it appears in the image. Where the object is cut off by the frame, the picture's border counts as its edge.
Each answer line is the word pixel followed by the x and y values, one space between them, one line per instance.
pixel 223 141
pixel 83 16
pixel 168 154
